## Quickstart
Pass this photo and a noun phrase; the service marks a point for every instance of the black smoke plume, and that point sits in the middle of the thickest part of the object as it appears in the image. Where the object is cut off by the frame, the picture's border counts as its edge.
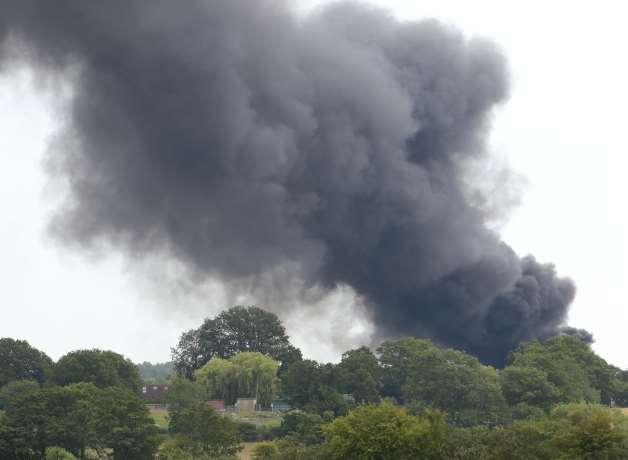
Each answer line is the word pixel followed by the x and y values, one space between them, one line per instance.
pixel 250 143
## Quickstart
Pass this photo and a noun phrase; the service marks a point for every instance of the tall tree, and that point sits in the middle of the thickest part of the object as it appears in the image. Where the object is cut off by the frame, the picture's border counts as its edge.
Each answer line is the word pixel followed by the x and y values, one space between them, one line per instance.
pixel 188 355
pixel 361 375
pixel 448 380
pixel 20 361
pixel 528 385
pixel 239 329
pixel 247 374
pixel 10 393
pixel 314 387
pixel 102 368
pixel 571 366
pixel 202 431
pixel 125 425
pixel 79 417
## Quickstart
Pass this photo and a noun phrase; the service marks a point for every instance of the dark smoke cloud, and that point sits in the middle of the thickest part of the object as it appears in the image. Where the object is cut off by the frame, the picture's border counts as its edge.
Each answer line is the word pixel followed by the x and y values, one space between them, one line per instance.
pixel 250 144
pixel 582 334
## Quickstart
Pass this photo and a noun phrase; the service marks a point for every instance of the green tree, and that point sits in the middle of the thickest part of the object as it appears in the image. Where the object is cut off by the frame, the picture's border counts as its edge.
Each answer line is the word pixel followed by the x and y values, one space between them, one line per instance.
pixel 530 386
pixel 416 371
pixel 182 448
pixel 125 425
pixel 571 367
pixel 57 453
pixel 523 440
pixel 589 431
pixel 20 361
pixel 256 376
pixel 385 431
pixel 182 395
pixel 247 374
pixel 13 390
pixel 571 431
pixel 361 375
pixel 469 443
pixel 620 388
pixel 397 359
pixel 79 417
pixel 314 387
pixel 287 356
pixel 288 449
pixel 207 431
pixel 239 329
pixel 102 368
pixel 302 427
pixel 265 451
pixel 219 378
pixel 188 355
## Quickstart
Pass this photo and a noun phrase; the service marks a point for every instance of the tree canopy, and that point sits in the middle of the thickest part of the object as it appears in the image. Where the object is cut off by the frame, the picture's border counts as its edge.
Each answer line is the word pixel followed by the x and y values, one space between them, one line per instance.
pixel 20 361
pixel 573 369
pixel 545 404
pixel 78 417
pixel 385 432
pixel 360 374
pixel 416 371
pixel 244 375
pixel 102 368
pixel 239 329
pixel 315 387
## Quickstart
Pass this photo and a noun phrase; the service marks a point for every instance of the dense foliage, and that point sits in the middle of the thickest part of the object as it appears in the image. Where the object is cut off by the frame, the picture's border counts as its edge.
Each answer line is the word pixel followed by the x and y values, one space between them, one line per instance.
pixel 102 368
pixel 77 417
pixel 239 329
pixel 410 399
pixel 20 361
pixel 244 375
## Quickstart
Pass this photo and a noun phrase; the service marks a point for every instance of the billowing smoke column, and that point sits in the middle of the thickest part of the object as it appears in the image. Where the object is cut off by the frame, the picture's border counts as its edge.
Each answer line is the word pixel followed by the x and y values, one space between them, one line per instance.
pixel 251 144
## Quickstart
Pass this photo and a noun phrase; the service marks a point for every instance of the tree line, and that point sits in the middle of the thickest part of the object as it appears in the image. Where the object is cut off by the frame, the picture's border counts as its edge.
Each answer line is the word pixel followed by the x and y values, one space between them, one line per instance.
pixel 405 399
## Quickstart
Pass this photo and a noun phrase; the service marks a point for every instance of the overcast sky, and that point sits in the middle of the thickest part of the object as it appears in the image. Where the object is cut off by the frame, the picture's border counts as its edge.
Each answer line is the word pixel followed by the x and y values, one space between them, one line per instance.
pixel 561 130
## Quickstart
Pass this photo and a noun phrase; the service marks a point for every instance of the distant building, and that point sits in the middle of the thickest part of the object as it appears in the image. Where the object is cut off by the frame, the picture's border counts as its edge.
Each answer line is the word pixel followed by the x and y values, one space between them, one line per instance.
pixel 217 404
pixel 246 405
pixel 348 398
pixel 280 405
pixel 154 393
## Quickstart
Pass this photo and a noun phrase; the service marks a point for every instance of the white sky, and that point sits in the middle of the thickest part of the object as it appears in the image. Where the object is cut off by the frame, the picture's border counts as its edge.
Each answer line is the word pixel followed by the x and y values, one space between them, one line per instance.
pixel 562 129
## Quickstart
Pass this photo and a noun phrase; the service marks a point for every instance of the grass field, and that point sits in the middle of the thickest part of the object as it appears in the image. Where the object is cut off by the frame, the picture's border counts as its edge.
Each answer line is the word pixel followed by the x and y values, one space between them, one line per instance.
pixel 259 419
pixel 160 416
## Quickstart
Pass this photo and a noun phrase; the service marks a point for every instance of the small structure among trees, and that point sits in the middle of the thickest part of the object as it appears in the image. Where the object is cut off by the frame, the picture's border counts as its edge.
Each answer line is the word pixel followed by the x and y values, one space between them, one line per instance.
pixel 155 394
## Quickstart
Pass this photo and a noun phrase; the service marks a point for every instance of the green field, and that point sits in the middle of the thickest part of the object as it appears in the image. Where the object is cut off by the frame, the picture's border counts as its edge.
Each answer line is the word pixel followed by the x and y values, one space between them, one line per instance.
pixel 160 416
pixel 259 419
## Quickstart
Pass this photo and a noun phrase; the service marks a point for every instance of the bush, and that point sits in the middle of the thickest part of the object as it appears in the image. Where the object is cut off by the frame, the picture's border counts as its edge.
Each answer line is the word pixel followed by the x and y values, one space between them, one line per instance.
pixel 265 451
pixel 303 427
pixel 212 433
pixel 57 453
pixel 385 431
pixel 182 448
pixel 287 449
